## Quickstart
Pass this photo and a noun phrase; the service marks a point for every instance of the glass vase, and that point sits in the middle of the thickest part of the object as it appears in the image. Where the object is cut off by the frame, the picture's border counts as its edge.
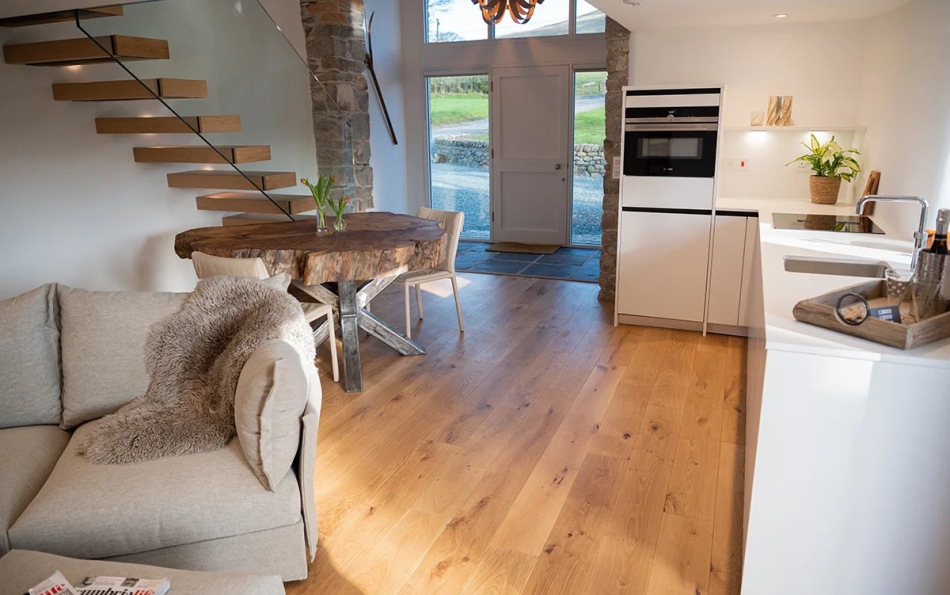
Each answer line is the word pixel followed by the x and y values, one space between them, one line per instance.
pixel 322 222
pixel 339 224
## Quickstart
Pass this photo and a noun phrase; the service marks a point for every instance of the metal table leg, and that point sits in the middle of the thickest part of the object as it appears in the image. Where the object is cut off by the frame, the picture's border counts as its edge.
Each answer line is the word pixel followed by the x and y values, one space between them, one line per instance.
pixel 349 303
pixel 349 330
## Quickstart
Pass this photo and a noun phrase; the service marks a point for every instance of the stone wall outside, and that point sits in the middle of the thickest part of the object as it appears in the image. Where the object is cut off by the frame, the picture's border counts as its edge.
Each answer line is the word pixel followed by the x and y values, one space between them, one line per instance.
pixel 588 159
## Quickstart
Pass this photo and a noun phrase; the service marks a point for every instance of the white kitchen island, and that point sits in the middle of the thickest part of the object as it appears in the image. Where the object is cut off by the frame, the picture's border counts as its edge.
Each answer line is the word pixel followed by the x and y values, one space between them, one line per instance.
pixel 847 484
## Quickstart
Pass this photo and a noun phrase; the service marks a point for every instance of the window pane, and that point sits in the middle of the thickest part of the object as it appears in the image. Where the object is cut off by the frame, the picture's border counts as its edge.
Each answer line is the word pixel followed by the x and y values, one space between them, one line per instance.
pixel 550 18
pixel 454 20
pixel 589 163
pixel 589 19
pixel 458 150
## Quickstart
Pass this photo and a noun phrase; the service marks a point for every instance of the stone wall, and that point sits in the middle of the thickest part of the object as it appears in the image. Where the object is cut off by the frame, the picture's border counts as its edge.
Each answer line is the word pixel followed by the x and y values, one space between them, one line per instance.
pixel 618 53
pixel 336 54
pixel 588 159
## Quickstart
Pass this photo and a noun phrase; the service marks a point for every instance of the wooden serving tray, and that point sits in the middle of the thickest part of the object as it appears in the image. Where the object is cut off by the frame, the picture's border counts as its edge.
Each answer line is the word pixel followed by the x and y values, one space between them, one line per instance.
pixel 820 311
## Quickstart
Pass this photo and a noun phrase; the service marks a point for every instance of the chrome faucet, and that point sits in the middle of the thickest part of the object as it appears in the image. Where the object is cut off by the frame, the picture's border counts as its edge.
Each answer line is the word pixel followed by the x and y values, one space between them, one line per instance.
pixel 919 236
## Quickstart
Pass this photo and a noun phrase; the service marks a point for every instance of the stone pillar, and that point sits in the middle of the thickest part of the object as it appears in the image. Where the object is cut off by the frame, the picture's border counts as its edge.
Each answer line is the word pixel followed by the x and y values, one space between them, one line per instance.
pixel 618 52
pixel 336 54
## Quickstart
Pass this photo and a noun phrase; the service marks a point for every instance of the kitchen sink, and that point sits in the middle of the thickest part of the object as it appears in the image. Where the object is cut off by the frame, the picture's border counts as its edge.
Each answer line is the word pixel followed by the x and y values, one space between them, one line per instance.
pixel 840 267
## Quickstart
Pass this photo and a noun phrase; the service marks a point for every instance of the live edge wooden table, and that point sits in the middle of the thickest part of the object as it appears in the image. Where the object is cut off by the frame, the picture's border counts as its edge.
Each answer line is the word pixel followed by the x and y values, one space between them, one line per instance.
pixel 344 269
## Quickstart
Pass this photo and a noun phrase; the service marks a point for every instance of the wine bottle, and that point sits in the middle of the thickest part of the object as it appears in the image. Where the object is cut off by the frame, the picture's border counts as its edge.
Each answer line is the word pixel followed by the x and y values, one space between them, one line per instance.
pixel 940 239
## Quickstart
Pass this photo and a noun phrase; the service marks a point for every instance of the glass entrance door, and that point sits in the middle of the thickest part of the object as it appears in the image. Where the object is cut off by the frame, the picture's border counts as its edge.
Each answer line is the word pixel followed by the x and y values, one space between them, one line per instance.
pixel 459 150
pixel 589 163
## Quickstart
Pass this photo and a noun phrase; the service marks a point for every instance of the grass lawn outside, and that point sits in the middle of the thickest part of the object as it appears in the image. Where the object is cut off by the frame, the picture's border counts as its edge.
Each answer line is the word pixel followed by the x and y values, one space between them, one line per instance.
pixel 589 127
pixel 451 108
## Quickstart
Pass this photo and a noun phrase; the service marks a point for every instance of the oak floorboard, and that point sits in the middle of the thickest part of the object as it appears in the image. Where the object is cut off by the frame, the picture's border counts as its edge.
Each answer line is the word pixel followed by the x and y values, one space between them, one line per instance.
pixel 681 562
pixel 567 559
pixel 692 489
pixel 626 552
pixel 725 568
pixel 440 476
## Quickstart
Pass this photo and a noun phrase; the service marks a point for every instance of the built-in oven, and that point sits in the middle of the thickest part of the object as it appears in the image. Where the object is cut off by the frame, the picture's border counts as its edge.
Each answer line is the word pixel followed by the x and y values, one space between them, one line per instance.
pixel 670 141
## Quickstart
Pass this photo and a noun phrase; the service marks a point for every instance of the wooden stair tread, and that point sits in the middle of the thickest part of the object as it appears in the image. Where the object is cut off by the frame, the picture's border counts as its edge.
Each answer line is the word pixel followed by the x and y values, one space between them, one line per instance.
pixel 202 154
pixel 253 202
pixel 61 16
pixel 255 218
pixel 232 180
pixel 123 90
pixel 168 125
pixel 64 52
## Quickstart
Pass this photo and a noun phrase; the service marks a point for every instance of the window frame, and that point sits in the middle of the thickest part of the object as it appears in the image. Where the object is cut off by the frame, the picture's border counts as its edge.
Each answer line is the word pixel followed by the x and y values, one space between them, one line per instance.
pixel 491 38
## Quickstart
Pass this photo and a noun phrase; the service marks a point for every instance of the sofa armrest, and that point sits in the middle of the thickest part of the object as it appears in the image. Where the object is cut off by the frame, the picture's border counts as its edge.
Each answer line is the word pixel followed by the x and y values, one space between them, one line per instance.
pixel 308 460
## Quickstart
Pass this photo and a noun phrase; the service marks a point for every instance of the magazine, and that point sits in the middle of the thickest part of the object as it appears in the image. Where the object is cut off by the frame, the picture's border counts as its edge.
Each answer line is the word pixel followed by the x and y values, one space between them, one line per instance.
pixel 119 585
pixel 54 585
pixel 101 585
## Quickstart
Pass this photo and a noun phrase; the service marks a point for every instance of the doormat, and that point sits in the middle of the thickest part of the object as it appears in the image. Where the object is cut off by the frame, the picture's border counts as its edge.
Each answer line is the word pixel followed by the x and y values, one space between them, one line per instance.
pixel 522 248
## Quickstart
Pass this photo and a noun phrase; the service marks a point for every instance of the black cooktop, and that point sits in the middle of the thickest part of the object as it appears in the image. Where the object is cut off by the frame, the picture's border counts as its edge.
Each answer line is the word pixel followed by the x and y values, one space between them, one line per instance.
pixel 838 223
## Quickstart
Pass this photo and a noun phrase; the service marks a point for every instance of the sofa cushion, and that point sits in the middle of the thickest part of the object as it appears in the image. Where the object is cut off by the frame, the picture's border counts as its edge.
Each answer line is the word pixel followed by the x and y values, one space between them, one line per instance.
pixel 20 570
pixel 97 511
pixel 29 359
pixel 27 456
pixel 268 403
pixel 103 347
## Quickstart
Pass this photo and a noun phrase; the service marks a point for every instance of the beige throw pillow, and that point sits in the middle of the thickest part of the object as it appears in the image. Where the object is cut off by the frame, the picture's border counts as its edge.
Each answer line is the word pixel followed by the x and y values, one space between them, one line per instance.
pixel 29 359
pixel 103 347
pixel 271 395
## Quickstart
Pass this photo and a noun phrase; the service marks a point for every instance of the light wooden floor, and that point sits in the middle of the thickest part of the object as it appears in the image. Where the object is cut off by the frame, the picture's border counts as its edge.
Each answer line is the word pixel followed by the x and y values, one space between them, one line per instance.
pixel 543 451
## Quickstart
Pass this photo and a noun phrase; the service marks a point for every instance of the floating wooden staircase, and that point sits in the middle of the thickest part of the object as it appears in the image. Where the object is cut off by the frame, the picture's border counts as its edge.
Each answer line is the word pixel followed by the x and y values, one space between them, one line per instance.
pixel 61 16
pixel 202 154
pixel 68 52
pixel 254 205
pixel 253 202
pixel 168 125
pixel 232 180
pixel 130 89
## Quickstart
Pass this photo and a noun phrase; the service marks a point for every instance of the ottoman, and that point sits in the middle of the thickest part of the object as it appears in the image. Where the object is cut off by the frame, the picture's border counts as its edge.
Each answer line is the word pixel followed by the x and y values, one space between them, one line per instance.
pixel 21 569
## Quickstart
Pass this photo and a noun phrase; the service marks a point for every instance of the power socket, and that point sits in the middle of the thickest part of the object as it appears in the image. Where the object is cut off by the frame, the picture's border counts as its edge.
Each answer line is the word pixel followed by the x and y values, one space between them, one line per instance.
pixel 802 167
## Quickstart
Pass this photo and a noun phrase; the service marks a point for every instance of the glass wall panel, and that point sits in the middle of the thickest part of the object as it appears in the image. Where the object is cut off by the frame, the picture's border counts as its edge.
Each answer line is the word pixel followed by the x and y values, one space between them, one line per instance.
pixel 589 19
pixel 589 163
pixel 550 18
pixel 458 149
pixel 454 20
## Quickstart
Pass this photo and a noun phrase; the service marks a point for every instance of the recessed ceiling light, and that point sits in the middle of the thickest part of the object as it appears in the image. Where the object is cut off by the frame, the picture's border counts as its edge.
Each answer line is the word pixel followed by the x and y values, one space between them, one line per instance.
pixel 781 16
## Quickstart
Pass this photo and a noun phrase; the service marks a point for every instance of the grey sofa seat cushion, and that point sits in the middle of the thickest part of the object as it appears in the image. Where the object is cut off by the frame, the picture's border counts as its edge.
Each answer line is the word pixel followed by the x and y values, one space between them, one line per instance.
pixel 103 347
pixel 29 359
pixel 21 569
pixel 27 456
pixel 97 511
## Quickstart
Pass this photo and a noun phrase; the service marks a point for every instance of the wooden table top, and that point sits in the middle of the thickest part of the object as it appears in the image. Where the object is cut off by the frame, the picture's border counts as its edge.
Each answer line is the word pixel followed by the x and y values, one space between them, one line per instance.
pixel 376 244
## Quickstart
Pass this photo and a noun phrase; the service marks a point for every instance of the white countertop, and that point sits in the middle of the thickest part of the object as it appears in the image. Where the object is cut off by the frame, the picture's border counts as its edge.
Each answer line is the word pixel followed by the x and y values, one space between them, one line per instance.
pixel 782 290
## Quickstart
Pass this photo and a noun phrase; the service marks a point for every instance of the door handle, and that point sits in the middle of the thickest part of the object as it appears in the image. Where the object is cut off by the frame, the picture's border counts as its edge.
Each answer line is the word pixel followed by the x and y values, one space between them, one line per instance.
pixel 557 166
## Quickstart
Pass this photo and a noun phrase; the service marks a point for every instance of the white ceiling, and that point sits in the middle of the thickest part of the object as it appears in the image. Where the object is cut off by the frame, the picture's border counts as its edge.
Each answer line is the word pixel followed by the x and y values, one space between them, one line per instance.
pixel 665 14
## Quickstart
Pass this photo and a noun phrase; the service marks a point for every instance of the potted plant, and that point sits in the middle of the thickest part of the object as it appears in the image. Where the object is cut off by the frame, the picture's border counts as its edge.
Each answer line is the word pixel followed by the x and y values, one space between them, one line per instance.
pixel 831 164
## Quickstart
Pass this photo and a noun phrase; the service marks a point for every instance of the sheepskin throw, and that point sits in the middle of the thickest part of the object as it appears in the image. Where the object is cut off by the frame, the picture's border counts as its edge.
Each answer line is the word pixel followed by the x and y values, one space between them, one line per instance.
pixel 194 359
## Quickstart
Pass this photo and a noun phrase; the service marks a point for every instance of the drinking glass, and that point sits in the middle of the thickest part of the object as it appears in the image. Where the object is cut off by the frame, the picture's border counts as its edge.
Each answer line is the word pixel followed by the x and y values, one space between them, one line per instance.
pixel 898 282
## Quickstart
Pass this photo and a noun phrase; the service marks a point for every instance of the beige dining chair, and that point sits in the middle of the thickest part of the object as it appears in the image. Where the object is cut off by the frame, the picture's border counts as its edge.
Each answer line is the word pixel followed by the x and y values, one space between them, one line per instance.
pixel 451 222
pixel 218 266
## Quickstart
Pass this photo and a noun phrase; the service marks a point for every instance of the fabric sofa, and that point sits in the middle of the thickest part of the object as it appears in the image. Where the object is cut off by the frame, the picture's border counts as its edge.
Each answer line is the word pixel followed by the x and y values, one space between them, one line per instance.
pixel 67 358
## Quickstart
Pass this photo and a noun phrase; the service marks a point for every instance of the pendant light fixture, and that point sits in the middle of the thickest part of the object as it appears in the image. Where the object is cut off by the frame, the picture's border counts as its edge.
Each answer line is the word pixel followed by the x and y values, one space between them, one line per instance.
pixel 493 11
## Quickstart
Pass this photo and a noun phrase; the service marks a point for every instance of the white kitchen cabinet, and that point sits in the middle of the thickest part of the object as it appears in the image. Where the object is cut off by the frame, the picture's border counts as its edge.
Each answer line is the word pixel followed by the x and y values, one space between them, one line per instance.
pixel 663 258
pixel 745 291
pixel 728 255
pixel 733 239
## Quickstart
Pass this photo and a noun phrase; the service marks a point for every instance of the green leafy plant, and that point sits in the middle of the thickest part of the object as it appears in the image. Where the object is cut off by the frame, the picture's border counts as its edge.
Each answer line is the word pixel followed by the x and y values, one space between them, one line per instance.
pixel 320 191
pixel 829 160
pixel 338 206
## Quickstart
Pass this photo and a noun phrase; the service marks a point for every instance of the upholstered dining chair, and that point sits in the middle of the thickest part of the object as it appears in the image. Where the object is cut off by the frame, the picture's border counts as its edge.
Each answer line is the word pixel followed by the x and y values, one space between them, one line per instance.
pixel 217 266
pixel 451 222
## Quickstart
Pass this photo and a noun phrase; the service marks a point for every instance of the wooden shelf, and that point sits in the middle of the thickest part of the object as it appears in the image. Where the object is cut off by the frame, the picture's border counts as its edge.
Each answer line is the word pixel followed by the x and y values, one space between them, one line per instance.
pixel 794 128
